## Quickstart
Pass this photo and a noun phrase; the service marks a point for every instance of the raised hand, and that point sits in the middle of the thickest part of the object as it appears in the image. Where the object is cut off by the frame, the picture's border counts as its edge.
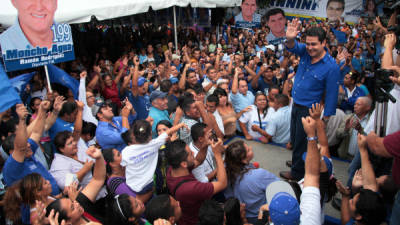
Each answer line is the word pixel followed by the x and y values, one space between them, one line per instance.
pixel 292 29
pixel 83 74
pixel 309 126
pixel 45 105
pixel 80 105
pixel 94 152
pixel 316 111
pixel 58 103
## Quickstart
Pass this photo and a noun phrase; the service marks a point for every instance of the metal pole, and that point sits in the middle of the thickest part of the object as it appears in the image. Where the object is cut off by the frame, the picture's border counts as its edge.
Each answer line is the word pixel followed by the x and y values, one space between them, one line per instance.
pixel 175 29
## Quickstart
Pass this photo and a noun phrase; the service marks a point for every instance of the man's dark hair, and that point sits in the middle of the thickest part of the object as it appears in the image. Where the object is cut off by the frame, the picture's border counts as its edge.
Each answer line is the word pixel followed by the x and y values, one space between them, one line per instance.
pixel 272 12
pixel 317 32
pixel 8 144
pixel 213 98
pixel 354 76
pixel 176 153
pixel 186 104
pixel 209 69
pixel 198 89
pixel 197 131
pixel 210 213
pixel 274 86
pixel 282 99
pixel 165 86
pixel 371 207
pixel 338 1
pixel 220 92
pixel 68 108
pixel 185 96
pixel 61 138
pixel 159 207
pixel 89 128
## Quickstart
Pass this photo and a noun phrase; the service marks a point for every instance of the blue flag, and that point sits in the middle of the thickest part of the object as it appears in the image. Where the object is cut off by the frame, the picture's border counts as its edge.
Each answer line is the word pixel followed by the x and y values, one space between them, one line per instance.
pixel 20 82
pixel 8 95
pixel 340 36
pixel 59 76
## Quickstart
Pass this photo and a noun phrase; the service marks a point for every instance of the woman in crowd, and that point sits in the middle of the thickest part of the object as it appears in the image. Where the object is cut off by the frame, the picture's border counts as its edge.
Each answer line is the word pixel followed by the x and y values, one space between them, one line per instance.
pixel 109 86
pixel 245 182
pixel 21 197
pixel 254 122
pixel 66 162
pixel 81 208
pixel 116 181
pixel 228 115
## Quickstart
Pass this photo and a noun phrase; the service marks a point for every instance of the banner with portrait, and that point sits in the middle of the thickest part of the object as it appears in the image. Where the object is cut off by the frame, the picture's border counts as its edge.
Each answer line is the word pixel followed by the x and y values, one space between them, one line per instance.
pixel 35 39
pixel 347 10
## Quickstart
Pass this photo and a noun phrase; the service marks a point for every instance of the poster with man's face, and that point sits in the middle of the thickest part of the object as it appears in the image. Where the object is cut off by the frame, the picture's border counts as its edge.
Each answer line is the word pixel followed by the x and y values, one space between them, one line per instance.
pixel 248 18
pixel 35 39
pixel 334 10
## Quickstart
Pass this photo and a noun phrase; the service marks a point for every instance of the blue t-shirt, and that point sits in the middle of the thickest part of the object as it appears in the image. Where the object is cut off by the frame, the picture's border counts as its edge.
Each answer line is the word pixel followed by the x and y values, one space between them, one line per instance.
pixel 14 171
pixel 60 125
pixel 141 104
pixel 157 116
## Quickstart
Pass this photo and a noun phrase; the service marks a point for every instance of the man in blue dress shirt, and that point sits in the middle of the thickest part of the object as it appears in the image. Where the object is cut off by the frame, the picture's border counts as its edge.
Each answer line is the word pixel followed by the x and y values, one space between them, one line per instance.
pixel 318 75
pixel 110 127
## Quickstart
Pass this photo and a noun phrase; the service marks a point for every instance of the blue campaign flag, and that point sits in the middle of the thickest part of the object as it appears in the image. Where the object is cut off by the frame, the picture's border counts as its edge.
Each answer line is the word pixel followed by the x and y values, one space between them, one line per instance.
pixel 340 36
pixel 20 82
pixel 8 95
pixel 59 76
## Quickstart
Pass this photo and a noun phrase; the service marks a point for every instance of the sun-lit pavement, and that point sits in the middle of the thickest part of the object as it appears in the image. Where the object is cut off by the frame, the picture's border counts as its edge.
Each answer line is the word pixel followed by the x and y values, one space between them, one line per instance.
pixel 273 158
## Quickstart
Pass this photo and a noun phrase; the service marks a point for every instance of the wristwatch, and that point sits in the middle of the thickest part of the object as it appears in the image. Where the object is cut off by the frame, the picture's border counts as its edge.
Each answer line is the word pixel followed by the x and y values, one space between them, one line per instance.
pixel 312 138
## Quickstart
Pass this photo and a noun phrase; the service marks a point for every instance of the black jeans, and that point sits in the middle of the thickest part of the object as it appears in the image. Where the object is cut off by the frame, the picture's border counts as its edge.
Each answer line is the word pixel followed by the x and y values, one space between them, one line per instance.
pixel 298 138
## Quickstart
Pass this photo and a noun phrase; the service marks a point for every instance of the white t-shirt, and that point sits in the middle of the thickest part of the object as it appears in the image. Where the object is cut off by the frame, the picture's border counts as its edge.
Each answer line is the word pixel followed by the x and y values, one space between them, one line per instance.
pixel 251 118
pixel 208 165
pixel 140 161
pixel 310 206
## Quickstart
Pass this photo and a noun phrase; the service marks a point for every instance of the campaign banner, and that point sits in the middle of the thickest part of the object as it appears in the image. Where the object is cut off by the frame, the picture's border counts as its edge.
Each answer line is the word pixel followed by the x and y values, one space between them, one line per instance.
pixel 35 39
pixel 348 11
pixel 247 17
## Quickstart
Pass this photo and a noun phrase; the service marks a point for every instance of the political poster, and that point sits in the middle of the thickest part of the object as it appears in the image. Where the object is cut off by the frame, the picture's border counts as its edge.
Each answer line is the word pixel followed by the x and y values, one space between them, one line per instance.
pixel 36 39
pixel 333 10
pixel 248 18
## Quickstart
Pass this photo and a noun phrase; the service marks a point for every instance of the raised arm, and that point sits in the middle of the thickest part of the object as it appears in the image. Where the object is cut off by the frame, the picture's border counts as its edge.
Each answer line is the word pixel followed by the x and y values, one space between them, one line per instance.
pixel 312 163
pixel 222 180
pixel 121 71
pixel 135 77
pixel 21 138
pixel 78 122
pixel 182 81
pixel 291 32
pixel 235 82
pixel 51 119
pixel 39 127
pixel 99 174
pixel 369 179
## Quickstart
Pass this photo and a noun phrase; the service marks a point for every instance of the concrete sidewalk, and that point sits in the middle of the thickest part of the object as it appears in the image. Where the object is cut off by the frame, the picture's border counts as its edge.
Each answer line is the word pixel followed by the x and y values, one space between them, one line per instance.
pixel 273 158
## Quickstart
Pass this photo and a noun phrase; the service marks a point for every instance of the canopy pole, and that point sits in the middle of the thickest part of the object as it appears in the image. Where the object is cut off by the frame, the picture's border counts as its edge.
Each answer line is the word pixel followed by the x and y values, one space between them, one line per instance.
pixel 175 30
pixel 47 77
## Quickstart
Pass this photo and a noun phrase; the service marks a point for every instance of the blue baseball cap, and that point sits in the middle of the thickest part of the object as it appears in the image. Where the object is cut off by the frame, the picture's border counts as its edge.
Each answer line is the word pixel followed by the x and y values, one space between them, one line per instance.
pixel 284 209
pixel 157 94
pixel 141 81
pixel 327 161
pixel 173 80
pixel 282 202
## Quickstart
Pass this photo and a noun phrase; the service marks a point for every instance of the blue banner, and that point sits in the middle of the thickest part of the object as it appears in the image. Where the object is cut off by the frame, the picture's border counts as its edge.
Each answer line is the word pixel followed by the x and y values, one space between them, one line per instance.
pixel 20 82
pixel 8 95
pixel 57 75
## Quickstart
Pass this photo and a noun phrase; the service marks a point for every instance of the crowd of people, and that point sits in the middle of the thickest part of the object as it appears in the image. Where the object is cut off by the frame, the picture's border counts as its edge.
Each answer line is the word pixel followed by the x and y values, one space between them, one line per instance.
pixel 144 141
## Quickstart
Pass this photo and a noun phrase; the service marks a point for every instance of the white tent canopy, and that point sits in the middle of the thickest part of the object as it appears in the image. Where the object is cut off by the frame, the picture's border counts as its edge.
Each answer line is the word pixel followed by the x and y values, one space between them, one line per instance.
pixel 81 11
